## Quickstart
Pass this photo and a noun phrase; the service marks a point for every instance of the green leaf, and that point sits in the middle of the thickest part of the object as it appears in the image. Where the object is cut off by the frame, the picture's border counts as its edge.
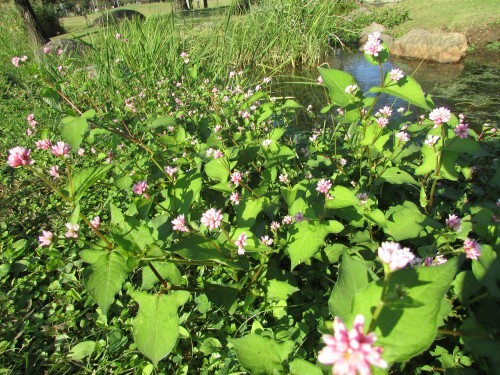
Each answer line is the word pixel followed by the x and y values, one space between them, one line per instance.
pixel 222 295
pixel 104 278
pixel 428 165
pixel 168 271
pixel 396 176
pixel 406 88
pixel 156 326
pixel 467 145
pixel 82 350
pixel 300 366
pixel 336 82
pixel 353 277
pixel 196 248
pixel 307 238
pixel 486 269
pixel 51 97
pixel 261 355
pixel 342 197
pixel 278 290
pixel 73 130
pixel 210 345
pixel 412 293
pixel 248 209
pixel 83 179
pixel 408 222
pixel 217 169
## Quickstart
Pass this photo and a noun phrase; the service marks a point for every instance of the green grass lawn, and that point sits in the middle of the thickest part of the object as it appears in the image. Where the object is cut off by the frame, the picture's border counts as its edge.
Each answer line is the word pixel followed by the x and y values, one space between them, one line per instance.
pixel 449 15
pixel 78 26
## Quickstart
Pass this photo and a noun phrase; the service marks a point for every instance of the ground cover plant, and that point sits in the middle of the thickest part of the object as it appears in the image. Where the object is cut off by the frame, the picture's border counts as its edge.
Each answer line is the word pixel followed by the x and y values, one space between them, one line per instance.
pixel 182 224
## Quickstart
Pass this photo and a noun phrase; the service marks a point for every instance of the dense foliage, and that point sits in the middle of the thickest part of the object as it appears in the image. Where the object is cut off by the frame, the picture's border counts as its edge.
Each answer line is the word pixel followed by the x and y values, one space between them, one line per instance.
pixel 171 215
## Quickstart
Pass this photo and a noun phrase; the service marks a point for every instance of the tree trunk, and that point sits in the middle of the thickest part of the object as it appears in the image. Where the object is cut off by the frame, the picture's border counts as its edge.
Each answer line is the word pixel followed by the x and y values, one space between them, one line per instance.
pixel 183 4
pixel 205 3
pixel 33 26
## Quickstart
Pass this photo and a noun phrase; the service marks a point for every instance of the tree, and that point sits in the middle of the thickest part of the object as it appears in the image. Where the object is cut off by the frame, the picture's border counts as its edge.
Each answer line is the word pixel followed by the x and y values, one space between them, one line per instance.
pixel 33 26
pixel 205 3
pixel 183 4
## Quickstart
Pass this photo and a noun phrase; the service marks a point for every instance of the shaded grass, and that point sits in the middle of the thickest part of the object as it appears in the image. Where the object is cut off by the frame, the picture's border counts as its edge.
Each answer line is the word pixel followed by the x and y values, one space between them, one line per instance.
pixel 77 25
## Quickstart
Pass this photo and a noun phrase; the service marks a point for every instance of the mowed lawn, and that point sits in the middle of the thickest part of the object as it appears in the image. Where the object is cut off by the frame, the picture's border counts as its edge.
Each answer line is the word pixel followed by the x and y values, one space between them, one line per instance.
pixel 78 25
pixel 449 15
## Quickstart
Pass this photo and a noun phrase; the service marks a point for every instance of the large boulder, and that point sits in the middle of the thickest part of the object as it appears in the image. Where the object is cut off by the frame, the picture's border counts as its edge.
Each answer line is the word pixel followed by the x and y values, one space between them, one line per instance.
pixel 374 27
pixel 118 16
pixel 424 45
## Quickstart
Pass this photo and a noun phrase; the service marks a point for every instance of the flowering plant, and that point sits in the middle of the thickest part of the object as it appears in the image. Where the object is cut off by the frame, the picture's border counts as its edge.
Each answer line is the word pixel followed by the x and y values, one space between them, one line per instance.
pixel 199 198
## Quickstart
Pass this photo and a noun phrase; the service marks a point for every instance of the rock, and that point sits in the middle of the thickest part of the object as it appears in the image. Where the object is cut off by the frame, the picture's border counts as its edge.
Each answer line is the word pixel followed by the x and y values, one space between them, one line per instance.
pixel 70 47
pixel 374 27
pixel 424 45
pixel 118 16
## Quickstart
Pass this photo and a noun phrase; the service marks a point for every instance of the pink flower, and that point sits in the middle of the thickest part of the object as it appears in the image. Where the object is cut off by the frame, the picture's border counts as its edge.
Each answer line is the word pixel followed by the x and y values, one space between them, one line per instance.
pixel 72 230
pixel 351 89
pixel 284 178
pixel 54 171
pixel 319 80
pixel 342 161
pixel 362 197
pixel 96 222
pixel 43 144
pixel 140 187
pixel 240 242
pixel 461 130
pixel 170 170
pixel 61 149
pixel 118 35
pixel 453 222
pixel 46 50
pixel 15 61
pixel 287 220
pixel 266 240
pixel 218 154
pixel 472 249
pixel 46 238
pixel 19 156
pixel 396 74
pixel 211 218
pixel 24 58
pixel 60 51
pixel 394 256
pixel 324 186
pixel 81 151
pixel 403 136
pixel 235 197
pixel 180 224
pixel 298 217
pixel 373 46
pixel 236 178
pixel 382 122
pixel 431 140
pixel 267 142
pixel 440 115
pixel 275 226
pixel 386 112
pixel 351 352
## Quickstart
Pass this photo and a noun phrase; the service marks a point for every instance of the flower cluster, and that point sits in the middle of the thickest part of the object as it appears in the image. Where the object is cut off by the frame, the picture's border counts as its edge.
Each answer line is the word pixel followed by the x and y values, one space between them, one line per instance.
pixel 472 248
pixel 394 256
pixel 374 45
pixel 211 218
pixel 440 115
pixel 351 352
pixel 19 156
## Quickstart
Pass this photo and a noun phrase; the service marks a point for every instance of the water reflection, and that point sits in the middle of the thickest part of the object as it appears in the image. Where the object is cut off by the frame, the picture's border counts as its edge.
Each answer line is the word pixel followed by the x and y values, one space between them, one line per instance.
pixel 469 87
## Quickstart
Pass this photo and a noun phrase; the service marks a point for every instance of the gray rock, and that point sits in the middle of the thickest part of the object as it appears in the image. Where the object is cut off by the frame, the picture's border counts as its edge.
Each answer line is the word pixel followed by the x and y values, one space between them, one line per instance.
pixel 70 47
pixel 424 45
pixel 118 16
